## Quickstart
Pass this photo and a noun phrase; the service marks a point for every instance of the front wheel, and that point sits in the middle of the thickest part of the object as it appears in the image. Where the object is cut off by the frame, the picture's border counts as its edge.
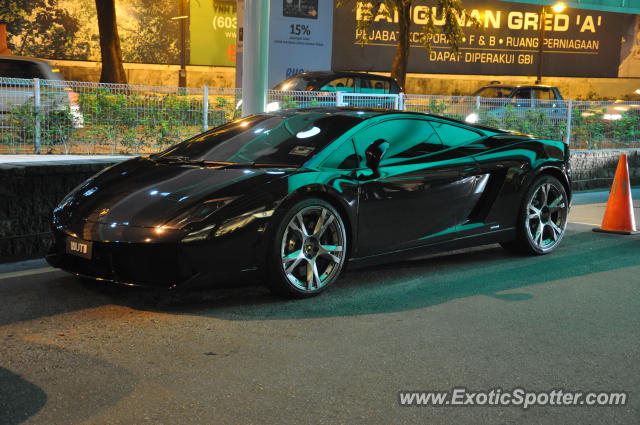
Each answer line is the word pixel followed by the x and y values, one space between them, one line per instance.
pixel 309 249
pixel 542 219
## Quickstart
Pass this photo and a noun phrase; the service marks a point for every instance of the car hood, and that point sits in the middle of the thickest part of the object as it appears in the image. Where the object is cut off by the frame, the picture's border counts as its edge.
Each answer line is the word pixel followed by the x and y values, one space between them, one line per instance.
pixel 144 193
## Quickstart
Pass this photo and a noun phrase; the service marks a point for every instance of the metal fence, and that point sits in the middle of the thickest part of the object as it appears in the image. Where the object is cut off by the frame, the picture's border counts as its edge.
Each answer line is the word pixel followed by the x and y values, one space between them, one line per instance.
pixel 583 124
pixel 49 116
pixel 46 116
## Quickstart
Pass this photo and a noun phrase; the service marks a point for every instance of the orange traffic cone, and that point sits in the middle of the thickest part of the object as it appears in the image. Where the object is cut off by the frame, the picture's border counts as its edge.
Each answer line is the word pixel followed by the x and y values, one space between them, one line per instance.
pixel 618 217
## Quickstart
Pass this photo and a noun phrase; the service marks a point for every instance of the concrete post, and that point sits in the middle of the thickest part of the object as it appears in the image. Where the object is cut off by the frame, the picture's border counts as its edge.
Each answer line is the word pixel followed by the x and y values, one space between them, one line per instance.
pixel 38 115
pixel 205 108
pixel 569 118
pixel 255 56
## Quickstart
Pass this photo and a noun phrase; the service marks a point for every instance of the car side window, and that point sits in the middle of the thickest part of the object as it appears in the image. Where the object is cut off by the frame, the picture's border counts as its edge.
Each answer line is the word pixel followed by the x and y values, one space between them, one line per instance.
pixel 452 135
pixel 374 86
pixel 408 138
pixel 340 84
pixel 522 93
pixel 544 94
pixel 19 69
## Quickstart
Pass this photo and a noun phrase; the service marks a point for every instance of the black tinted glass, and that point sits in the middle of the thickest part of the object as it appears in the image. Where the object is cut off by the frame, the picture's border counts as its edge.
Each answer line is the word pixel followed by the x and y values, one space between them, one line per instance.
pixel 408 138
pixel 264 140
pixel 300 83
pixel 523 93
pixel 544 94
pixel 374 86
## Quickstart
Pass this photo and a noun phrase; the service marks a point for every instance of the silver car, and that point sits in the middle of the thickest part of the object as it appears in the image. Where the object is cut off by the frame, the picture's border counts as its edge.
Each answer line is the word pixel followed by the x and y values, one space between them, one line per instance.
pixel 54 96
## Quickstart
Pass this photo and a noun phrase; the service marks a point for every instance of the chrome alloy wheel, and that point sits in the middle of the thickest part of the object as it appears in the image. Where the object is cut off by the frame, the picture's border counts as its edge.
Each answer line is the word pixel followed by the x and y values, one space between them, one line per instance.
pixel 313 248
pixel 546 218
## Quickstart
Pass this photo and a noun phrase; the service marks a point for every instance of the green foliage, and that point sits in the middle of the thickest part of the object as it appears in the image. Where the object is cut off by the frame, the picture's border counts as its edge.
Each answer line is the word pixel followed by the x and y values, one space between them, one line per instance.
pixel 41 28
pixel 290 102
pixel 224 110
pixel 437 107
pixel 132 122
pixel 68 29
pixel 56 125
pixel 591 131
pixel 124 121
pixel 150 35
pixel 535 121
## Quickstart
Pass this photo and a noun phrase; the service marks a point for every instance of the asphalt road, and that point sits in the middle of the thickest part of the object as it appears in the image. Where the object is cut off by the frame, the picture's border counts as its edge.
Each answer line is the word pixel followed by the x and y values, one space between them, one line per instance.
pixel 77 353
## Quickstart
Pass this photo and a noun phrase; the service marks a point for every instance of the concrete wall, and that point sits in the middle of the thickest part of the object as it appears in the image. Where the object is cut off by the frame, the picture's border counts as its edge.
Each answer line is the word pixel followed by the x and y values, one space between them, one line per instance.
pixel 30 191
pixel 571 88
pixel 150 74
pixel 198 76
pixel 28 194
pixel 595 169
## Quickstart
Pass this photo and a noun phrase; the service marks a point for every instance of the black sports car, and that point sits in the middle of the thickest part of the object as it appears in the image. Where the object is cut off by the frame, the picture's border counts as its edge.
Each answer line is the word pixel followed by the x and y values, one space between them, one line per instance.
pixel 297 194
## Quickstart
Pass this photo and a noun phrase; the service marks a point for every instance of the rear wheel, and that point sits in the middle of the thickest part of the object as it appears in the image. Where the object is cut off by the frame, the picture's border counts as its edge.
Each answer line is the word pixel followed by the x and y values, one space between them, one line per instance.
pixel 542 219
pixel 309 249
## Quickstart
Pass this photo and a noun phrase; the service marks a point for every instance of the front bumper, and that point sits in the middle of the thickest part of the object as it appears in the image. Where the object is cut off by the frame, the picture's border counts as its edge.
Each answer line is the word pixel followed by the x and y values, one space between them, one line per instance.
pixel 132 264
pixel 137 256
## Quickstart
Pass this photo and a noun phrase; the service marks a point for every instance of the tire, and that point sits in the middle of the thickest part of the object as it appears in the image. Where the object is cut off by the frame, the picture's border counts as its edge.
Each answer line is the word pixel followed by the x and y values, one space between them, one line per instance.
pixel 308 250
pixel 542 218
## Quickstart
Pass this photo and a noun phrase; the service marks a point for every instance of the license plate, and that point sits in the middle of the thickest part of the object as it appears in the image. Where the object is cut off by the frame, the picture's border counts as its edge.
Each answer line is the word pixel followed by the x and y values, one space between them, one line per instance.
pixel 79 247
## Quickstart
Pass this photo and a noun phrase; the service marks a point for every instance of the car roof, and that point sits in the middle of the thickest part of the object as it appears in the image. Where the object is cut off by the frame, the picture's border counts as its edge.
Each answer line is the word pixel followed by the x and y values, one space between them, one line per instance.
pixel 25 59
pixel 328 74
pixel 508 86
pixel 367 113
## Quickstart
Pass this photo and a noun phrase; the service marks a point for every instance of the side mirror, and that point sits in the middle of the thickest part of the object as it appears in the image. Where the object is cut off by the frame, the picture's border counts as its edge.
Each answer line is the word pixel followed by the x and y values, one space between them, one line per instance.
pixel 374 153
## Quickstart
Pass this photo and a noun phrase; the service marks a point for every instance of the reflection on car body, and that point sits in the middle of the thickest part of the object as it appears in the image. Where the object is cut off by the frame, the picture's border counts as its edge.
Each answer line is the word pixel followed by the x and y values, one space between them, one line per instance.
pixel 296 194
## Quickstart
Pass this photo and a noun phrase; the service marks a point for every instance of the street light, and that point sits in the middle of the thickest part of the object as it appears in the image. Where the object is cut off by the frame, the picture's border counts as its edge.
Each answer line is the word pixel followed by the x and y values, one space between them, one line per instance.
pixel 556 8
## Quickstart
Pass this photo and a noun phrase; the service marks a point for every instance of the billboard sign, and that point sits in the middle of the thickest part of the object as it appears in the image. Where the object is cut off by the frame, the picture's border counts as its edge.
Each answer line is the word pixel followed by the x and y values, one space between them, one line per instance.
pixel 212 34
pixel 577 43
pixel 300 34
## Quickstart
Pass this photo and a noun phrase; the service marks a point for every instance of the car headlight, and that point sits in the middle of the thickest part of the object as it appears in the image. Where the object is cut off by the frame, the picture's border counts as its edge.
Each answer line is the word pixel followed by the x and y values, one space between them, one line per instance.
pixel 272 107
pixel 472 118
pixel 198 213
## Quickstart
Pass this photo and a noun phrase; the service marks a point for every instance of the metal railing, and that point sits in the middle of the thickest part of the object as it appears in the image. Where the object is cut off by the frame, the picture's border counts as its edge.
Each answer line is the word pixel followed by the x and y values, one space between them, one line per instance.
pixel 49 116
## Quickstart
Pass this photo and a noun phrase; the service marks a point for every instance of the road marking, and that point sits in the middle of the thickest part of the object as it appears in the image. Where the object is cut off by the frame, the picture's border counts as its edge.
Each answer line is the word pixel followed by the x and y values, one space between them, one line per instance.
pixel 27 272
pixel 586 224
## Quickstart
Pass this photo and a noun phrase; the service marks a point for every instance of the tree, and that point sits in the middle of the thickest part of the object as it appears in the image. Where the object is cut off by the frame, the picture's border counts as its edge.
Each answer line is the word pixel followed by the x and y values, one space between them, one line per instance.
pixel 151 36
pixel 450 12
pixel 112 69
pixel 40 28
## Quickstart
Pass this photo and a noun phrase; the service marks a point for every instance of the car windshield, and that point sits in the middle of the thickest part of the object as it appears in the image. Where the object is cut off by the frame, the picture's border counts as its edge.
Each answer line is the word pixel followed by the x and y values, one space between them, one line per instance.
pixel 263 140
pixel 494 92
pixel 301 83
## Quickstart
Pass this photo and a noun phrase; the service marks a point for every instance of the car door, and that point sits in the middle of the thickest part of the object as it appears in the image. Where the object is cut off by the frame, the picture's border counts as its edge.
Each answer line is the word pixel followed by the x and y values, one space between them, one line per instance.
pixel 545 99
pixel 413 197
pixel 493 162
pixel 376 88
pixel 521 98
